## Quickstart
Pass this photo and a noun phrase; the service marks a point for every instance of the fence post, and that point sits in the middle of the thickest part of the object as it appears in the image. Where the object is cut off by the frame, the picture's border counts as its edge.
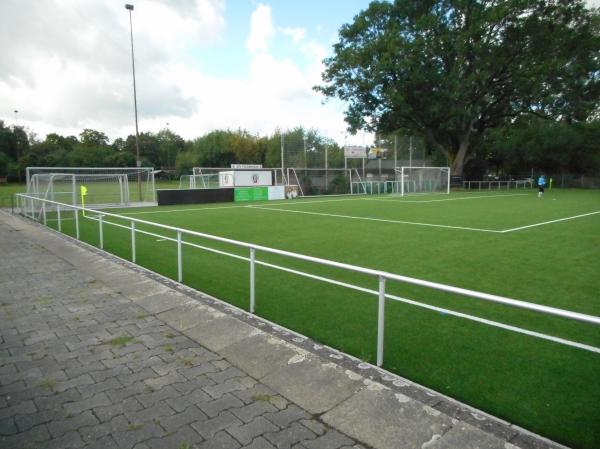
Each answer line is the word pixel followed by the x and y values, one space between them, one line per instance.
pixel 44 213
pixel 133 241
pixel 76 224
pixel 100 231
pixel 58 218
pixel 179 258
pixel 380 321
pixel 252 277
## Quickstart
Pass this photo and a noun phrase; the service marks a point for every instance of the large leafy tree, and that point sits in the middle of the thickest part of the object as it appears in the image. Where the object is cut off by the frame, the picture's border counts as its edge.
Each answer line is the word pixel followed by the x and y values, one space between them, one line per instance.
pixel 451 69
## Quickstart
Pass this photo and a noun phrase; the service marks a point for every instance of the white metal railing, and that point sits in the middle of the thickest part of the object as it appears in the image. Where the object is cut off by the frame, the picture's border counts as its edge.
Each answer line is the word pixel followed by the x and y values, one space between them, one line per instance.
pixel 497 185
pixel 25 204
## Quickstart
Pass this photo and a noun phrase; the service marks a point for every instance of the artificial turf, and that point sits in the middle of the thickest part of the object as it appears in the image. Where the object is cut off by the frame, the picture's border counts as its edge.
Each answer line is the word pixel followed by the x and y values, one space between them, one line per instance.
pixel 542 386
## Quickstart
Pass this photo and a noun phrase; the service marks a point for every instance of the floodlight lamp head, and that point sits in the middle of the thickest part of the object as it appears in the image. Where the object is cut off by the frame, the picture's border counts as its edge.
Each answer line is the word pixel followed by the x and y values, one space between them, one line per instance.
pixel 128 6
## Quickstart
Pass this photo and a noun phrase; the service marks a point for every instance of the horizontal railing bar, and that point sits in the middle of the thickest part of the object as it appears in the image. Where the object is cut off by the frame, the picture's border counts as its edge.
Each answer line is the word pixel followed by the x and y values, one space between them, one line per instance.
pixel 405 279
pixel 477 319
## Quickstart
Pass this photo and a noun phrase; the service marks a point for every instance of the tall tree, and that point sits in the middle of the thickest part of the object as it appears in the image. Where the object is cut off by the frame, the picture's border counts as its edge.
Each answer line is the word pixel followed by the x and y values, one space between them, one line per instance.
pixel 450 69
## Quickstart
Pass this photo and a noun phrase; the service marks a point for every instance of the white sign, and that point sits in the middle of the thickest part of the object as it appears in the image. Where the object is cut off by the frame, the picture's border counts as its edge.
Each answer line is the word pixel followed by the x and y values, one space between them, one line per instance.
pixel 276 193
pixel 246 178
pixel 242 166
pixel 354 151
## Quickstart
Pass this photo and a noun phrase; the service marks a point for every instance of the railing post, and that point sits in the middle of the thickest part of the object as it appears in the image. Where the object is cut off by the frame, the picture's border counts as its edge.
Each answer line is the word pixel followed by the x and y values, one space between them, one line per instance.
pixel 179 258
pixel 380 321
pixel 76 224
pixel 44 214
pixel 58 218
pixel 101 233
pixel 133 241
pixel 252 278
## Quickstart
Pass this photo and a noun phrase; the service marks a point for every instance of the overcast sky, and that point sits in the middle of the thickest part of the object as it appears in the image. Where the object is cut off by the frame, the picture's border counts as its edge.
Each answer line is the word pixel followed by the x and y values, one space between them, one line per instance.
pixel 200 65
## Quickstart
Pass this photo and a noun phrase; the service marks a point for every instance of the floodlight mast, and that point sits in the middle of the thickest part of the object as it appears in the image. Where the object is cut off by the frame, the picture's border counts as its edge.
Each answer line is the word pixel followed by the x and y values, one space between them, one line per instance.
pixel 129 7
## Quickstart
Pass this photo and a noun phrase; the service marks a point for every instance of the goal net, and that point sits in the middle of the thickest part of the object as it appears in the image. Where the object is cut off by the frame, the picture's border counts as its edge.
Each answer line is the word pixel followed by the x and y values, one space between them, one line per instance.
pixel 207 181
pixel 421 180
pixel 106 187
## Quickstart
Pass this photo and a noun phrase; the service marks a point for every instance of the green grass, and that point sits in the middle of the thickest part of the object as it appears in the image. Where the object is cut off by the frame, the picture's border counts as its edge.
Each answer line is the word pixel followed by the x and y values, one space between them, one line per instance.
pixel 540 385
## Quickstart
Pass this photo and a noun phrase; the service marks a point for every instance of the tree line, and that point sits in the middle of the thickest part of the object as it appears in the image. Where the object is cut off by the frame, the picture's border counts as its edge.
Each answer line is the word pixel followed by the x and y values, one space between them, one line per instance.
pixel 511 151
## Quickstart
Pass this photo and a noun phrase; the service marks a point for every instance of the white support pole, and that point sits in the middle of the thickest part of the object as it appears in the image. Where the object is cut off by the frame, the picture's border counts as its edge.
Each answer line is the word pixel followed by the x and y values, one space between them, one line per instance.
pixel 101 231
pixel 133 241
pixel 44 213
pixel 179 258
pixel 380 321
pixel 76 212
pixel 252 279
pixel 58 218
pixel 402 181
pixel 448 191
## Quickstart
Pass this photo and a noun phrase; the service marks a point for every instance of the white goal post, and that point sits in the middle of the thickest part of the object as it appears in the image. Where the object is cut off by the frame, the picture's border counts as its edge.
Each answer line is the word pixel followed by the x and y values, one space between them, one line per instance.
pixel 423 180
pixel 106 186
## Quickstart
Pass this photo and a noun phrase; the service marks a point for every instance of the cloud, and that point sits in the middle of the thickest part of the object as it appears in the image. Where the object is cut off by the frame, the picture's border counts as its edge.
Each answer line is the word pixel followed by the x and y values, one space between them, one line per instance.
pixel 68 66
pixel 261 29
pixel 297 34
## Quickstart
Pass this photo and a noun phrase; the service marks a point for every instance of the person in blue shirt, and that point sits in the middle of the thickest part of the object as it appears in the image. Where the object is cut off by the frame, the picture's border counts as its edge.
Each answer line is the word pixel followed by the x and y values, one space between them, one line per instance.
pixel 541 184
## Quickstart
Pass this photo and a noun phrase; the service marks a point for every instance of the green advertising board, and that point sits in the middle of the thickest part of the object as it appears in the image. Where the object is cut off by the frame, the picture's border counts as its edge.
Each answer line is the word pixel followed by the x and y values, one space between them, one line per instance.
pixel 244 194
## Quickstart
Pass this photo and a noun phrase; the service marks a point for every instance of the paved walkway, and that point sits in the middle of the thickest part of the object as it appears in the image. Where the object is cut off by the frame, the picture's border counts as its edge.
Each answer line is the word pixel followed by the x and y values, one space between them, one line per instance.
pixel 96 353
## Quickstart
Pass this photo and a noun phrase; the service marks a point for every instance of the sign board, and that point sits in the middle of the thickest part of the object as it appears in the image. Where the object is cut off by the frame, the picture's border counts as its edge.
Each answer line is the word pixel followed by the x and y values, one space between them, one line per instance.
pixel 246 178
pixel 245 166
pixel 276 193
pixel 245 194
pixel 354 151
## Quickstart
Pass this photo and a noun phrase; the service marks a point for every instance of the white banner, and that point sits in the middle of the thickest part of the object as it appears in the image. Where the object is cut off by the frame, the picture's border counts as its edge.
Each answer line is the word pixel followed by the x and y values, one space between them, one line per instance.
pixel 246 178
pixel 242 166
pixel 276 193
pixel 354 151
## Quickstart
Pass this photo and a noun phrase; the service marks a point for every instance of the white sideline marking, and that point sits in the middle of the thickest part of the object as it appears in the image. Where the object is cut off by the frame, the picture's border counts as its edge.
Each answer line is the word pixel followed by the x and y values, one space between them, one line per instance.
pixel 550 222
pixel 179 210
pixel 374 219
pixel 446 199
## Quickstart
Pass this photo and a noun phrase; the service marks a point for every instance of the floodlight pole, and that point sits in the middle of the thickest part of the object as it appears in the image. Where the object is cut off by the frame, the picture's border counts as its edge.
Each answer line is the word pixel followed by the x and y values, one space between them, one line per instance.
pixel 305 157
pixel 282 164
pixel 137 134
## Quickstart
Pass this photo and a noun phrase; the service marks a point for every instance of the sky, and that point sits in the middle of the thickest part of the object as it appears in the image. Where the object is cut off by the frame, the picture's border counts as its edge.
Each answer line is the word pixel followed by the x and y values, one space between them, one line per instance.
pixel 200 65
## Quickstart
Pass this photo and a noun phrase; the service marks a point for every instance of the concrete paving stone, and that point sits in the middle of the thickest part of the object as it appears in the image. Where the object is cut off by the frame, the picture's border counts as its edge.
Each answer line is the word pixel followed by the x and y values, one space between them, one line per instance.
pixel 22 408
pixel 117 408
pixel 247 432
pixel 106 442
pixel 92 433
pixel 137 434
pixel 90 390
pixel 248 412
pixel 226 374
pixel 193 384
pixel 465 436
pixel 312 384
pixel 260 443
pixel 26 422
pixel 269 353
pixel 68 423
pixel 84 379
pixel 56 401
pixel 183 317
pixel 163 381
pixel 218 330
pixel 237 384
pixel 393 420
pixel 221 440
pixel 284 418
pixel 161 302
pixel 97 400
pixel 143 375
pixel 210 427
pixel 154 413
pixel 71 440
pixel 215 407
pixel 190 415
pixel 195 371
pixel 184 437
pixel 331 440
pixel 151 396
pixel 126 392
pixel 286 438
pixel 7 427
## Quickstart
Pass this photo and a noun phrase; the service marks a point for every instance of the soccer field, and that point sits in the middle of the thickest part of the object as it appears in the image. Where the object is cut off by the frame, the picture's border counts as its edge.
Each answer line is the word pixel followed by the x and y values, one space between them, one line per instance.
pixel 513 244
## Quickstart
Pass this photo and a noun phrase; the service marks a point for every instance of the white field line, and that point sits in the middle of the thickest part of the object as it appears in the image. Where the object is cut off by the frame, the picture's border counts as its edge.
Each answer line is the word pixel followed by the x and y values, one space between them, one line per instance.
pixel 549 222
pixel 446 199
pixel 373 219
pixel 180 210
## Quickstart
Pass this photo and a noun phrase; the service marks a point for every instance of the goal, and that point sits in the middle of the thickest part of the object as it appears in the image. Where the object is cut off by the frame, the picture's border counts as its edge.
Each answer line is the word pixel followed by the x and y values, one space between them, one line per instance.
pixel 106 187
pixel 411 180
